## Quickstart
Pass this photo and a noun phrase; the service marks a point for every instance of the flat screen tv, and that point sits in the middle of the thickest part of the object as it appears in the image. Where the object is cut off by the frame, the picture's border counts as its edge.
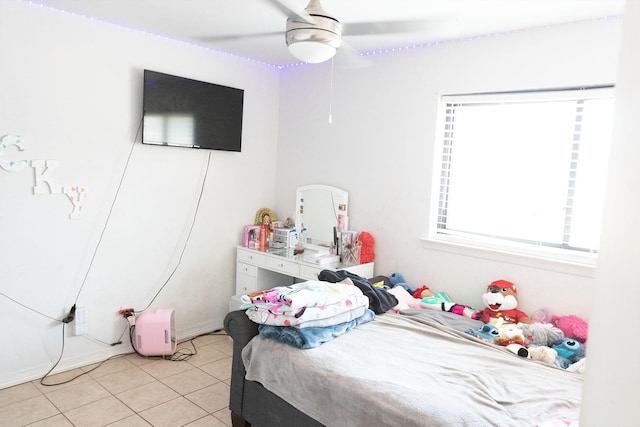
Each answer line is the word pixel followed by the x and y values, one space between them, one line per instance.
pixel 182 112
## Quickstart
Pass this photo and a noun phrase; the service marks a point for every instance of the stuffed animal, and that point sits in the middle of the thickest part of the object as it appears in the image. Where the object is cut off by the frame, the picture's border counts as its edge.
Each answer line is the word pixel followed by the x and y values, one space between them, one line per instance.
pixel 572 326
pixel 397 279
pixel 569 352
pixel 543 354
pixel 580 366
pixel 543 334
pixel 501 300
pixel 441 301
pixel 422 292
pixel 366 251
pixel 487 332
pixel 541 316
pixel 511 337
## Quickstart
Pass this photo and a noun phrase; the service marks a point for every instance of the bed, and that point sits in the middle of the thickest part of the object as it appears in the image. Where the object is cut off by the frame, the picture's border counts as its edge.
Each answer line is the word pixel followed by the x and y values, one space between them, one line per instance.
pixel 414 368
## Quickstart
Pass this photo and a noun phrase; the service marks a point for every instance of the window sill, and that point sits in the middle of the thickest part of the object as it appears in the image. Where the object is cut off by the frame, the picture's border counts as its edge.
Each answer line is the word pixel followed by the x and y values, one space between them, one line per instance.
pixel 459 246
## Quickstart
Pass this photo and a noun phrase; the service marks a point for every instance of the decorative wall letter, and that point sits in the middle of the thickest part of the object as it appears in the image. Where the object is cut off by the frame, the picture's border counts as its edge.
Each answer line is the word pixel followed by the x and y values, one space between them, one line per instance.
pixel 76 195
pixel 42 170
pixel 9 165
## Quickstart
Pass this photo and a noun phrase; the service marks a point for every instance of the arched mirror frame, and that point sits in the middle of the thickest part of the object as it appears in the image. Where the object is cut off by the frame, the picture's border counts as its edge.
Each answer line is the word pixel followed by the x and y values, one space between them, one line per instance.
pixel 320 232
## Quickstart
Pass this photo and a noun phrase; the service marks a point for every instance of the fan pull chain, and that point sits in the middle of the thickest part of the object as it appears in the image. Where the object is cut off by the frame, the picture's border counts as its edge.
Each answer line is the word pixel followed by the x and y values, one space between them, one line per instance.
pixel 331 93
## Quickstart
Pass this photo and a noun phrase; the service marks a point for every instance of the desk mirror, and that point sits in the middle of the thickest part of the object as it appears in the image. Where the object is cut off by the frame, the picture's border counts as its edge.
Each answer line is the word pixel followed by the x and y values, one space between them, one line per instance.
pixel 317 209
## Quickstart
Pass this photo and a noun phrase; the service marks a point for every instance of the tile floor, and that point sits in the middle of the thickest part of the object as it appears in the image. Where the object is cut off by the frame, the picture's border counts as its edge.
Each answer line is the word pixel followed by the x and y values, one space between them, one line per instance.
pixel 131 391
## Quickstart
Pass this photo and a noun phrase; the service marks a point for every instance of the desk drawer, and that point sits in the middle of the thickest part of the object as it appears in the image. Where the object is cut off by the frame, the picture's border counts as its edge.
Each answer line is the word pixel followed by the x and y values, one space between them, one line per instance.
pixel 310 272
pixel 251 256
pixel 246 269
pixel 246 284
pixel 284 266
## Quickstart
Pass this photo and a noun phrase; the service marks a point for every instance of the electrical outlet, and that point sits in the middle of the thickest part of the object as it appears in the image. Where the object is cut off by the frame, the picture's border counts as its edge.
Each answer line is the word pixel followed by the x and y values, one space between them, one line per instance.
pixel 80 325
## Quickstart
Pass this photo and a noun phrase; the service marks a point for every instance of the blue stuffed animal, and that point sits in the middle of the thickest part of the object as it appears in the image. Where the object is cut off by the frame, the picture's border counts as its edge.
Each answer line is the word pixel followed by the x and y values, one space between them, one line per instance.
pixel 397 279
pixel 487 332
pixel 569 351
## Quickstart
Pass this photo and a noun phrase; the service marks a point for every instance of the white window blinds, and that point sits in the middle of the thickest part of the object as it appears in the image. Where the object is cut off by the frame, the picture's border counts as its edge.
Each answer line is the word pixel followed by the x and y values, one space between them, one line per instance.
pixel 526 167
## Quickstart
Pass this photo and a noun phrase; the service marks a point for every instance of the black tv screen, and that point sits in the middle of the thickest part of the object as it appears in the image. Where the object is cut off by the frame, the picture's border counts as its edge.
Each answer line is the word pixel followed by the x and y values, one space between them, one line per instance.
pixel 182 112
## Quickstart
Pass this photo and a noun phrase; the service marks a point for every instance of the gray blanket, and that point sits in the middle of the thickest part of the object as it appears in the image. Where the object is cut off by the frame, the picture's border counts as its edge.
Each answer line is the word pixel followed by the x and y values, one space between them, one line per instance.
pixel 412 370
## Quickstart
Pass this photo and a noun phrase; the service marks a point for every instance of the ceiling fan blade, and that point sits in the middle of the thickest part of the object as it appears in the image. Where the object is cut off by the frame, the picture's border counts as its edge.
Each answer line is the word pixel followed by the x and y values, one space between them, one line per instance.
pixel 240 36
pixel 448 26
pixel 291 9
pixel 350 57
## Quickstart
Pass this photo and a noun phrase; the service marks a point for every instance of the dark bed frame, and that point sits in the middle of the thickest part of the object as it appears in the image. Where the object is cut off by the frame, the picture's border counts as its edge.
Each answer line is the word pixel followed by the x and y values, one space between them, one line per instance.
pixel 250 403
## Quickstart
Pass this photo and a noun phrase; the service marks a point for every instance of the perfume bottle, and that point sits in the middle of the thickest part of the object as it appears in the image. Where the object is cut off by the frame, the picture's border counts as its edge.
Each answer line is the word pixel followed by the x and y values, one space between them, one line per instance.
pixel 263 237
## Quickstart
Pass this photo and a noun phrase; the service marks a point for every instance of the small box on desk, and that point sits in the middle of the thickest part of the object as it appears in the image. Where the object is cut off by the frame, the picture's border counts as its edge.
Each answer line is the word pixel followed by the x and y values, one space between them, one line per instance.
pixel 155 332
pixel 321 258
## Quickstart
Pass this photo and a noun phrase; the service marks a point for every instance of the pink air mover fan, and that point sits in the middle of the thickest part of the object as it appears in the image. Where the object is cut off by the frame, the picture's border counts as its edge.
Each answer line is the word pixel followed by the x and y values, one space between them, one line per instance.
pixel 155 332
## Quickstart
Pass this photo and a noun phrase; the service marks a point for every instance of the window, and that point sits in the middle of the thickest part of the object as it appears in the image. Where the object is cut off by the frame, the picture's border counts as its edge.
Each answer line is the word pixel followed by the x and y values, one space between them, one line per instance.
pixel 524 171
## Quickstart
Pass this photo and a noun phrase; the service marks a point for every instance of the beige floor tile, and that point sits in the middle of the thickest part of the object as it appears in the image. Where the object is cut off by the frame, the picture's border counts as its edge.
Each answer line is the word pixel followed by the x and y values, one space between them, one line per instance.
pixel 18 393
pixel 74 376
pixel 165 368
pixel 99 413
pixel 186 347
pixel 55 421
pixel 177 412
pixel 211 339
pixel 132 421
pixel 206 354
pixel 117 364
pixel 225 346
pixel 124 380
pixel 147 396
pixel 208 421
pixel 193 392
pixel 220 369
pixel 138 360
pixel 189 381
pixel 212 398
pixel 223 415
pixel 77 395
pixel 27 411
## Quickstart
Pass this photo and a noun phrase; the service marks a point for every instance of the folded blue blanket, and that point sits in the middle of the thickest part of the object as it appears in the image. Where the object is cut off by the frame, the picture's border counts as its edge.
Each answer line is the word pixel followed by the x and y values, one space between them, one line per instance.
pixel 312 337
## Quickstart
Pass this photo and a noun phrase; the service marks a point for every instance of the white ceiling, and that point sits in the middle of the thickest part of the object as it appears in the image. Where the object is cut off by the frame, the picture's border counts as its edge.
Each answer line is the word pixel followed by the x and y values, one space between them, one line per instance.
pixel 195 21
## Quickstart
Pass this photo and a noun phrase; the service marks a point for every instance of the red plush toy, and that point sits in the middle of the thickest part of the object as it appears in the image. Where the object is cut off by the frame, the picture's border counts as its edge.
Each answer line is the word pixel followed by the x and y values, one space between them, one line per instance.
pixel 501 300
pixel 366 251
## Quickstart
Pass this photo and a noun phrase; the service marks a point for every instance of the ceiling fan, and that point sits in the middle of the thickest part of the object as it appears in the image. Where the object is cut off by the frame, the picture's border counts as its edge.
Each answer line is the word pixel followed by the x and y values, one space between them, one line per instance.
pixel 314 35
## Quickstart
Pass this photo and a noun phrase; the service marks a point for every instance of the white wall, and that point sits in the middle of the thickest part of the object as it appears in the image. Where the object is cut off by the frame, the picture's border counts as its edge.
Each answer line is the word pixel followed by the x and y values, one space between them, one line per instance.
pixel 72 89
pixel 613 375
pixel 380 148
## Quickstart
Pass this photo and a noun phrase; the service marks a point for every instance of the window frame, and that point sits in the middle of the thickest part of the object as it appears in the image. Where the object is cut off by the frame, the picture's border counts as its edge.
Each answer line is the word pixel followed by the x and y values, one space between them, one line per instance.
pixel 499 249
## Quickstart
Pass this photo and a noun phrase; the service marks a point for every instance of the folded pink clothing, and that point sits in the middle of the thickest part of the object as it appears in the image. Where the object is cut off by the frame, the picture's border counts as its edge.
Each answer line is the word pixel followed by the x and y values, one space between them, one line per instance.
pixel 406 300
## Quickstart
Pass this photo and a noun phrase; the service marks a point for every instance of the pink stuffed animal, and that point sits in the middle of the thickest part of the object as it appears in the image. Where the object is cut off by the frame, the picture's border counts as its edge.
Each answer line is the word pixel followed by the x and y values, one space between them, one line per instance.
pixel 572 326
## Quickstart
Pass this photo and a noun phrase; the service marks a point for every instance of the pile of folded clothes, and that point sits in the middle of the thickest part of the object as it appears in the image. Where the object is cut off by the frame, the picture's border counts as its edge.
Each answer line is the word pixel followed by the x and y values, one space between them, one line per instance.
pixel 309 313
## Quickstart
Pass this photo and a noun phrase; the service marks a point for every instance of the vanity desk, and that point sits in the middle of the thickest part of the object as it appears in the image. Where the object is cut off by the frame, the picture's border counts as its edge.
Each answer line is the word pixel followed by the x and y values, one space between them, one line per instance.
pixel 257 270
pixel 320 211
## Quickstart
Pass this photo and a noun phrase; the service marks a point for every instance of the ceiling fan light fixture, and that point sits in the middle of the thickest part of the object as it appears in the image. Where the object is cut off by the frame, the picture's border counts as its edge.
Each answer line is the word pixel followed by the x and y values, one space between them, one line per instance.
pixel 314 43
pixel 313 52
